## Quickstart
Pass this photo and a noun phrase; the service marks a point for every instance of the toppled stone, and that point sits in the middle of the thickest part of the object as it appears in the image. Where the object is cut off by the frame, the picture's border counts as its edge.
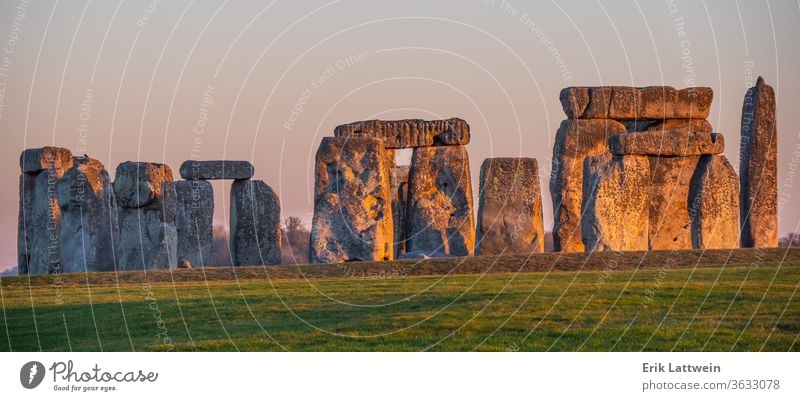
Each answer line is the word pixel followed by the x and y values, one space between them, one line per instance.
pixel 36 160
pixel 255 224
pixel 615 203
pixel 667 142
pixel 510 207
pixel 216 170
pixel 575 140
pixel 89 229
pixel 670 223
pixel 147 205
pixel 194 221
pixel 439 215
pixel 409 133
pixel 714 204
pixel 628 103
pixel 399 199
pixel 352 202
pixel 758 170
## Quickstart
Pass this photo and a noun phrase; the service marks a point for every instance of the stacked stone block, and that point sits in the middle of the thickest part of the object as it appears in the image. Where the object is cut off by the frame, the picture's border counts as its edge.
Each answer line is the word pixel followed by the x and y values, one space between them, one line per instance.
pixel 661 125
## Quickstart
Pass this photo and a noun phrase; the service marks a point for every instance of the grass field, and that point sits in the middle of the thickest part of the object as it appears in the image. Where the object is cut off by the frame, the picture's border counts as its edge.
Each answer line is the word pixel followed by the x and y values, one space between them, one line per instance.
pixel 741 307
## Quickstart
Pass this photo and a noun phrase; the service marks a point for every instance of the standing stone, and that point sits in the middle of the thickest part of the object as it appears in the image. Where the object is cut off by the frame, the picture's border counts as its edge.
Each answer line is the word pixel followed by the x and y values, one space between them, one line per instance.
pixel 216 170
pixel 670 224
pixel 575 140
pixel 255 224
pixel 439 217
pixel 714 205
pixel 352 202
pixel 39 223
pixel 89 229
pixel 510 207
pixel 409 133
pixel 615 203
pixel 24 219
pixel 399 199
pixel 147 204
pixel 194 221
pixel 758 171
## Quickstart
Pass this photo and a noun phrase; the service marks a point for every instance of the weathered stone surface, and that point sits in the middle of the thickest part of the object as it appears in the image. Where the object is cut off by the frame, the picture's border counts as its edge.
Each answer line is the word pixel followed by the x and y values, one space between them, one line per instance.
pixel 216 170
pixel 667 142
pixel 439 215
pixel 615 203
pixel 194 221
pixel 255 224
pixel 399 199
pixel 147 205
pixel 146 241
pixel 39 221
pixel 670 223
pixel 758 169
pixel 33 161
pixel 661 125
pixel 714 204
pixel 140 184
pixel 409 133
pixel 352 202
pixel 24 218
pixel 575 140
pixel 89 229
pixel 627 103
pixel 510 207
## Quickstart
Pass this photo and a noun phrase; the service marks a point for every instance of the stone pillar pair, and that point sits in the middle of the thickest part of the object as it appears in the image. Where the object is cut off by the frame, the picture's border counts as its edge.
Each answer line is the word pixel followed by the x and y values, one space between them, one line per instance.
pixel 635 169
pixel 365 209
pixel 67 218
pixel 254 215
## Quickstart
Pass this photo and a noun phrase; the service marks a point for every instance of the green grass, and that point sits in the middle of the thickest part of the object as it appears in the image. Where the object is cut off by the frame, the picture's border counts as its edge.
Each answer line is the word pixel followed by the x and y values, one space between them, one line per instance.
pixel 711 309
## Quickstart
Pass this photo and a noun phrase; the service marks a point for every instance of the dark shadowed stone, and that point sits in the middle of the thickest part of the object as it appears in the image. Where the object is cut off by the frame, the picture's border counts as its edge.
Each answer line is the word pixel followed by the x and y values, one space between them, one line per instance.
pixel 714 206
pixel 510 207
pixel 47 158
pixel 668 142
pixel 670 223
pixel 89 229
pixel 399 199
pixel 694 125
pixel 615 203
pixel 758 169
pixel 627 103
pixel 439 215
pixel 216 170
pixel 194 221
pixel 147 205
pixel 39 221
pixel 575 140
pixel 255 224
pixel 409 133
pixel 353 219
pixel 24 221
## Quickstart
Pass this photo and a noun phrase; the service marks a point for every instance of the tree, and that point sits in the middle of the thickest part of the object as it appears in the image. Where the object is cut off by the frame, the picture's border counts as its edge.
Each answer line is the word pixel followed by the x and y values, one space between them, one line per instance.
pixel 220 251
pixel 791 240
pixel 294 241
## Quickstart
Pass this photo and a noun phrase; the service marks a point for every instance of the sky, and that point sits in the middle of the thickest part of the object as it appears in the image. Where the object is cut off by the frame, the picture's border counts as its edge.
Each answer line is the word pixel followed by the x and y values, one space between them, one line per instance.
pixel 264 81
